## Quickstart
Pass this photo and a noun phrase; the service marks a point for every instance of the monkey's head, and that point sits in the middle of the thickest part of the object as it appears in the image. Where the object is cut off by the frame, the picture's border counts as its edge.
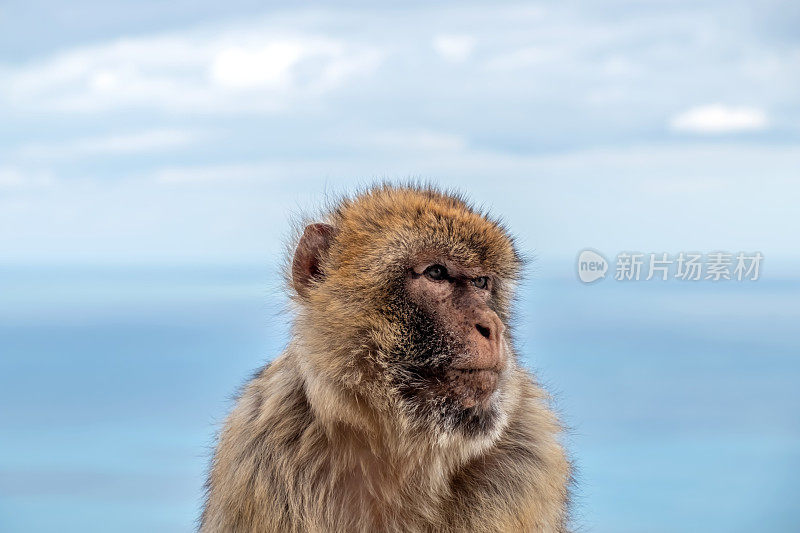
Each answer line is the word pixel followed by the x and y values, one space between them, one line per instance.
pixel 404 297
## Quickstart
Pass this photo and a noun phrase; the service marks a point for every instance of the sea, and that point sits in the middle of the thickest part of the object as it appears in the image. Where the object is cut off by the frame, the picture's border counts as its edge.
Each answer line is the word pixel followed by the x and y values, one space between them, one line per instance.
pixel 681 400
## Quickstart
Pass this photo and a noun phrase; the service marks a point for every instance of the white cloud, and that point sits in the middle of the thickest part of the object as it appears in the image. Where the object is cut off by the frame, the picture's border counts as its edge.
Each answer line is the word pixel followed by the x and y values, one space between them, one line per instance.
pixel 240 67
pixel 455 48
pixel 146 141
pixel 521 58
pixel 237 172
pixel 679 185
pixel 246 68
pixel 718 118
pixel 415 141
pixel 239 210
pixel 17 179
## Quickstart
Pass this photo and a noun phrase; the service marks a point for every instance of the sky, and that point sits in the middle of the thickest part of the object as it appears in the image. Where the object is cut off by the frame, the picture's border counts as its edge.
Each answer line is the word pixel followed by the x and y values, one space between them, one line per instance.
pixel 151 132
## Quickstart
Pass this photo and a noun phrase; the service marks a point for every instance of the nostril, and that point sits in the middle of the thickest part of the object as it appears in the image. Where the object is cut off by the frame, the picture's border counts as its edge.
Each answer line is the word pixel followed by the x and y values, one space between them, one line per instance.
pixel 486 332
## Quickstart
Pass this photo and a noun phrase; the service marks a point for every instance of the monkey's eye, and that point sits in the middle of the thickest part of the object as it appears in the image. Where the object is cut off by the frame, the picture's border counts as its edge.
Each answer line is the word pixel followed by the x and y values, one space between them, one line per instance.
pixel 436 272
pixel 481 282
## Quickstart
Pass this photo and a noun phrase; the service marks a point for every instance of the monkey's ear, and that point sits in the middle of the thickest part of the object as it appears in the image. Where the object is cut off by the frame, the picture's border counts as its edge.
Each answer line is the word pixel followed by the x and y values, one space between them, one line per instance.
pixel 314 243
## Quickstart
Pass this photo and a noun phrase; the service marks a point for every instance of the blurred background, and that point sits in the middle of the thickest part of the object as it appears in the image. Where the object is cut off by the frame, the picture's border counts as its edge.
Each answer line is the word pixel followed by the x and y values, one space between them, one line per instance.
pixel 152 155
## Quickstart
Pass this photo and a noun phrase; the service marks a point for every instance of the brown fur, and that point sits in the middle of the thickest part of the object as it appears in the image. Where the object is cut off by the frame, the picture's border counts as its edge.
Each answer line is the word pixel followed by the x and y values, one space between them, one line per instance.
pixel 322 440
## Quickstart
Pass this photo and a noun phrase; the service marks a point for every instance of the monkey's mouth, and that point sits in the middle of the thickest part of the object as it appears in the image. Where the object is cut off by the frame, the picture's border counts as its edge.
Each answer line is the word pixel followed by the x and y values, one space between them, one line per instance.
pixel 473 386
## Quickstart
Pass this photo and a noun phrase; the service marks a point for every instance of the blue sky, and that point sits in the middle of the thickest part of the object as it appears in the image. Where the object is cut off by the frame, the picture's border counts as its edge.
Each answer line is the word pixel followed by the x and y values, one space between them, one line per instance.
pixel 152 133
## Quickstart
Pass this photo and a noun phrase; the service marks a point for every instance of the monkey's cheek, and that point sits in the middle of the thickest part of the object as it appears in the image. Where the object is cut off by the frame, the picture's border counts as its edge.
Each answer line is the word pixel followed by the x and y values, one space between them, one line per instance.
pixel 472 387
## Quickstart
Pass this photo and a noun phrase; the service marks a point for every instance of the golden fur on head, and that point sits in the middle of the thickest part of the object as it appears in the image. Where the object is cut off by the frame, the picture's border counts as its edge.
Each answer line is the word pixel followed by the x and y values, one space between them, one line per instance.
pixel 378 231
pixel 323 440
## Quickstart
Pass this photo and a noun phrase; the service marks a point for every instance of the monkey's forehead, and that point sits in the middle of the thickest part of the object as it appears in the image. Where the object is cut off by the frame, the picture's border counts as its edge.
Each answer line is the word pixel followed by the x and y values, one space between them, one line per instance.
pixel 392 225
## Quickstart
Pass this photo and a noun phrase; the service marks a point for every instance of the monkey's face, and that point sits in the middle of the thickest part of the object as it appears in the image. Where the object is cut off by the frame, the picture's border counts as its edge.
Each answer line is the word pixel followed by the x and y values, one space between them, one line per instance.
pixel 451 358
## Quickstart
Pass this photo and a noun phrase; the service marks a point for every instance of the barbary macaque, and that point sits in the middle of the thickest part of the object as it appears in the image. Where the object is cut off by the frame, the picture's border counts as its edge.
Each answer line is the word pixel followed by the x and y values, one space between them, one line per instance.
pixel 399 404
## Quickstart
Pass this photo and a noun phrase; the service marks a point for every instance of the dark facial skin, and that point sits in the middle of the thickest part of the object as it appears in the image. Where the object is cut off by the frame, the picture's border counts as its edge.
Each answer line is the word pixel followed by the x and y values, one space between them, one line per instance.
pixel 453 354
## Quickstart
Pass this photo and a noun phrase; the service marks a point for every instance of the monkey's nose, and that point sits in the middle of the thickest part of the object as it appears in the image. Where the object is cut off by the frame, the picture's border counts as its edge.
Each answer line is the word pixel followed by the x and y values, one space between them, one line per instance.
pixel 486 341
pixel 489 325
pixel 485 331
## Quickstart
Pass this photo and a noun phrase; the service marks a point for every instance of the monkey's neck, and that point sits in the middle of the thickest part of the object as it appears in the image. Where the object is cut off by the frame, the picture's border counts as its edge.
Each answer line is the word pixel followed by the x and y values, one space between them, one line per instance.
pixel 381 449
pixel 366 463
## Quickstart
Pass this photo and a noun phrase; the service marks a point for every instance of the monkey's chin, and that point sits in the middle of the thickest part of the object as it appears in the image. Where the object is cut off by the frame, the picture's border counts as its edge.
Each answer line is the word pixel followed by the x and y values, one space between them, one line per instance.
pixel 473 388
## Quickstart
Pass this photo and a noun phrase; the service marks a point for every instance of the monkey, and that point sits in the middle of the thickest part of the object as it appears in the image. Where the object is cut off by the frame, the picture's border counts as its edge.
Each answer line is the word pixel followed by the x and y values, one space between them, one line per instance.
pixel 399 404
